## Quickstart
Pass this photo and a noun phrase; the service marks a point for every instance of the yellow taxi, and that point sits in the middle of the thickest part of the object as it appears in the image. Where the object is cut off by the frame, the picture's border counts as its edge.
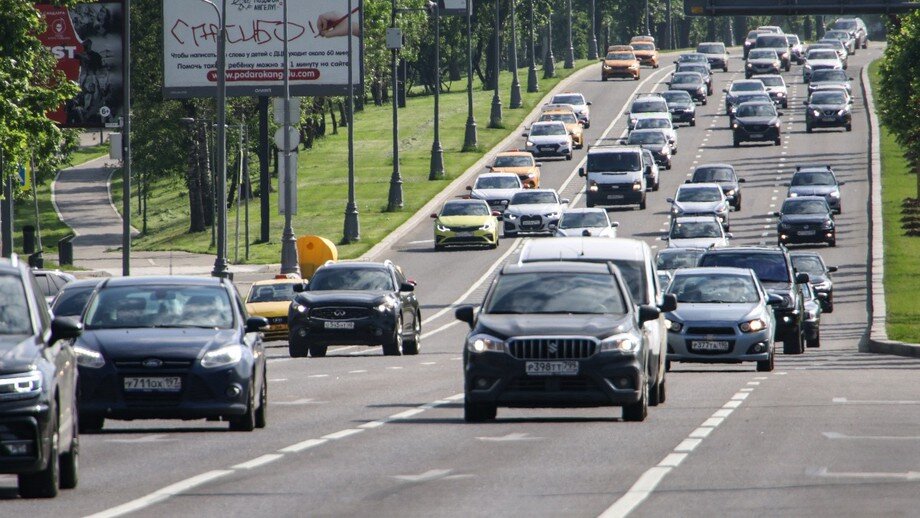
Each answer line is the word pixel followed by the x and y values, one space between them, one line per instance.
pixel 649 39
pixel 520 163
pixel 571 122
pixel 271 299
pixel 620 61
pixel 646 52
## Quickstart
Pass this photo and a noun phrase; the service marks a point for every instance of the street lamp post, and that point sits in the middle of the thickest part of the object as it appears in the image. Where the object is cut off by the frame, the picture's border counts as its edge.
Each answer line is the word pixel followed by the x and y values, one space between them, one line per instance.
pixel 437 152
pixel 289 262
pixel 570 53
pixel 352 231
pixel 395 198
pixel 549 60
pixel 648 29
pixel 126 149
pixel 495 118
pixel 592 38
pixel 516 101
pixel 533 85
pixel 470 139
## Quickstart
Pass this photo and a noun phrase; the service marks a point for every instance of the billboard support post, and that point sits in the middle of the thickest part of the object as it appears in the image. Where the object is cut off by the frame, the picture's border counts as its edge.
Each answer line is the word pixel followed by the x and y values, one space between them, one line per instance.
pixel 126 150
pixel 470 138
pixel 495 117
pixel 352 228
pixel 289 262
pixel 264 175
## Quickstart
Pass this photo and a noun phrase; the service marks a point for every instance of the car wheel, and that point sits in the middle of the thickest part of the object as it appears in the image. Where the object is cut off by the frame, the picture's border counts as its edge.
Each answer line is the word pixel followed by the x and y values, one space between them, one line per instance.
pixel 247 421
pixel 568 157
pixel 667 365
pixel 604 78
pixel 479 412
pixel 693 121
pixel 816 341
pixel 808 128
pixel 849 127
pixel 45 483
pixel 737 143
pixel 747 76
pixel 777 142
pixel 642 203
pixel 638 411
pixel 657 184
pixel 70 461
pixel 509 235
pixel 656 394
pixel 395 346
pixel 829 308
pixel 589 204
pixel 262 412
pixel 725 68
pixel 318 351
pixel 705 101
pixel 788 66
pixel 438 248
pixel 832 243
pixel 766 365
pixel 637 78
pixel 412 345
pixel 785 104
pixel 793 342
pixel 668 165
pixel 90 423
pixel 297 350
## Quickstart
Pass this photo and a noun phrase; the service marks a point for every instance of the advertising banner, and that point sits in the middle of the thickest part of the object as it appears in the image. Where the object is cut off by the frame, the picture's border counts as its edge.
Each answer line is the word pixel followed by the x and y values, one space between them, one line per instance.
pixel 453 7
pixel 87 40
pixel 318 35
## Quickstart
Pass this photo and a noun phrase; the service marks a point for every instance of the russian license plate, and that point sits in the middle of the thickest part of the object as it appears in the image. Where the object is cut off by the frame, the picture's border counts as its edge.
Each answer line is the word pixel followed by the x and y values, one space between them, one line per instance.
pixel 339 325
pixel 829 119
pixel 530 223
pixel 756 135
pixel 614 196
pixel 709 345
pixel 158 384
pixel 464 234
pixel 552 368
pixel 806 232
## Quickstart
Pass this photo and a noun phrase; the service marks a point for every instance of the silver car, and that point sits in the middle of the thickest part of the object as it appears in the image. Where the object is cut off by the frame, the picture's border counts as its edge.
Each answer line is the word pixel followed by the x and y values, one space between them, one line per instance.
pixel 700 199
pixel 496 189
pixel 723 316
pixel 534 211
pixel 816 180
pixel 586 222
pixel 696 232
pixel 549 138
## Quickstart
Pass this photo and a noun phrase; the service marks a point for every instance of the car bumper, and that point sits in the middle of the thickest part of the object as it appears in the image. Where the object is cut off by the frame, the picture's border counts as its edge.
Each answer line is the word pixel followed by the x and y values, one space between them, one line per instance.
pixel 716 62
pixel 605 379
pixel 277 329
pixel 742 347
pixel 631 73
pixel 543 226
pixel 769 134
pixel 790 236
pixel 466 238
pixel 373 330
pixel 29 427
pixel 829 121
pixel 614 197
pixel 683 116
pixel 550 150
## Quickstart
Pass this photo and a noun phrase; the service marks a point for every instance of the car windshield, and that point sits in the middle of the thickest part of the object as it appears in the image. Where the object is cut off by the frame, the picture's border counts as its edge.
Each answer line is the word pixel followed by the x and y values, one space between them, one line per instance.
pixel 653 124
pixel 753 86
pixel 71 302
pixel 772 41
pixel 753 35
pixel 569 99
pixel 793 39
pixel 532 198
pixel 674 258
pixel 677 97
pixel 711 48
pixel 753 97
pixel 584 219
pixel 14 310
pixel 822 54
pixel 685 79
pixel 691 58
pixel 813 178
pixel 621 56
pixel 513 161
pixel 837 45
pixel 465 209
pixel 713 288
pixel 351 279
pixel 649 107
pixel 699 195
pixel 762 54
pixel 650 137
pixel 808 264
pixel 548 129
pixel 567 118
pixel 772 80
pixel 643 46
pixel 556 293
pixel 148 306
pixel 769 267
pixel 756 110
pixel 845 25
pixel 693 66
pixel 837 35
pixel 283 292
pixel 713 174
pixel 498 182
pixel 837 76
pixel 696 229
pixel 800 206
pixel 614 162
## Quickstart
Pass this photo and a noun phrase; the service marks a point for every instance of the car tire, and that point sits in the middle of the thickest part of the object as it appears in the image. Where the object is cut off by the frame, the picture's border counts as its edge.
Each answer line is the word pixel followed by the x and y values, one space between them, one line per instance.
pixel 638 411
pixel 793 342
pixel 668 165
pixel 589 204
pixel 509 235
pixel 725 68
pixel 438 248
pixel 604 78
pixel 318 351
pixel 832 243
pixel 788 66
pixel 808 128
pixel 737 143
pixel 479 412
pixel 667 365
pixel 70 461
pixel 412 345
pixel 297 350
pixel 778 142
pixel 87 423
pixel 816 342
pixel 728 110
pixel 785 104
pixel 44 483
pixel 768 364
pixel 693 121
pixel 849 127
pixel 262 412
pixel 829 308
pixel 705 101
pixel 657 184
pixel 568 157
pixel 247 421
pixel 642 203
pixel 394 347
pixel 637 78
pixel 658 393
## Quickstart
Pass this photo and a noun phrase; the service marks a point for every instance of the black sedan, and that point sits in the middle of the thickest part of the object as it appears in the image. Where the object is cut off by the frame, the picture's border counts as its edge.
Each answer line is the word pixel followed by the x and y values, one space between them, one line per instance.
pixel 171 348
pixel 829 109
pixel 692 83
pixel 806 219
pixel 73 297
pixel 756 122
pixel 725 176
pixel 681 105
pixel 701 69
pixel 355 304
pixel 819 275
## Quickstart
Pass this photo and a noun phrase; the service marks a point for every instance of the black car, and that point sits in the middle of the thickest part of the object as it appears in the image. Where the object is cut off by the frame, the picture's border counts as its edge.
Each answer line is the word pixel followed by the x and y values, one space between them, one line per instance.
pixel 560 334
pixel 701 69
pixel 51 282
pixel 692 83
pixel 829 109
pixel 814 308
pixel 725 176
pixel 774 270
pixel 756 122
pixel 819 275
pixel 806 219
pixel 740 87
pixel 355 304
pixel 780 44
pixel 762 61
pixel 39 439
pixel 681 106
pixel 171 348
pixel 692 57
pixel 72 299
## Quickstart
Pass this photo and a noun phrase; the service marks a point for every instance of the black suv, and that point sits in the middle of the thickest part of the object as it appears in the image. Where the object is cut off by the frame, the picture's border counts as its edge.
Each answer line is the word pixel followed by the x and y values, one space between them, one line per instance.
pixel 774 270
pixel 806 219
pixel 355 303
pixel 559 334
pixel 38 387
pixel 756 122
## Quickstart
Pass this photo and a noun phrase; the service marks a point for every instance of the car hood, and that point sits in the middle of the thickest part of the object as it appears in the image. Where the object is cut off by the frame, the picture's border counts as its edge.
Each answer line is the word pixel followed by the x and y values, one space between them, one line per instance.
pixel 812 190
pixel 534 208
pixel 597 326
pixel 644 53
pixel 578 232
pixel 775 89
pixel 137 344
pixel 494 194
pixel 464 221
pixel 341 298
pixel 655 148
pixel 647 115
pixel 822 107
pixel 620 62
pixel 698 206
pixel 687 87
pixel 756 120
pixel 681 105
pixel 814 85
pixel 740 312
pixel 17 352
pixel 713 55
pixel 697 242
pixel 824 63
pixel 269 309
pixel 805 218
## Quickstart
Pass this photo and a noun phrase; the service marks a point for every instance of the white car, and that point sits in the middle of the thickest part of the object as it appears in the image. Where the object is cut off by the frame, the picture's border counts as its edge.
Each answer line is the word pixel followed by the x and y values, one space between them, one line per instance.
pixel 586 222
pixel 578 101
pixel 776 88
pixel 700 199
pixel 549 138
pixel 696 232
pixel 662 123
pixel 496 189
pixel 647 106
pixel 820 59
pixel 533 211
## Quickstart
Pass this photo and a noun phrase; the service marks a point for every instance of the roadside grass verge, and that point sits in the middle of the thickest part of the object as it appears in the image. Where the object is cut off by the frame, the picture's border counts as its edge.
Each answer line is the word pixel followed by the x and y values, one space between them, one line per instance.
pixel 902 268
pixel 85 154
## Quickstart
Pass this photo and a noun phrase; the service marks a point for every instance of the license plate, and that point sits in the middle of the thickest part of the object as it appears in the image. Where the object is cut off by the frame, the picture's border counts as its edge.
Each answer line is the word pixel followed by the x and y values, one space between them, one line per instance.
pixel 806 232
pixel 158 384
pixel 829 119
pixel 552 368
pixel 756 135
pixel 709 345
pixel 464 234
pixel 339 325
pixel 614 196
pixel 530 223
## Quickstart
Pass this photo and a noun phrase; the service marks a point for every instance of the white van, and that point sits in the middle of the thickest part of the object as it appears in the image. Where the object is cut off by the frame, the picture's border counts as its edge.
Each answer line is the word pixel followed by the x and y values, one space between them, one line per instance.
pixel 615 175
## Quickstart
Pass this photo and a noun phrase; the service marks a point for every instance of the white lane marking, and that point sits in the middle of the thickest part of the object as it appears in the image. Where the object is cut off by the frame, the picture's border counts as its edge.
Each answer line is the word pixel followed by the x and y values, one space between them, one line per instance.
pixel 303 445
pixel 746 390
pixel 162 494
pixel 407 413
pixel 754 382
pixel 838 435
pixel 428 363
pixel 431 475
pixel 420 242
pixel 723 412
pixel 688 445
pixel 359 371
pixel 442 328
pixel 318 376
pixel 341 434
pixel 510 438
pixel 259 461
pixel 713 421
pixel 277 380
pixel 637 493
pixel 740 396
pixel 373 424
pixel 367 352
pixel 910 475
pixel 304 401
pixel 701 432
pixel 673 460
pixel 844 400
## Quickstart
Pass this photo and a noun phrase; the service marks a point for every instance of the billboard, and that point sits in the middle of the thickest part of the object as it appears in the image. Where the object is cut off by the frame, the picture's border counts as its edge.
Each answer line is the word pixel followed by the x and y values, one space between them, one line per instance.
pixel 453 7
pixel 318 35
pixel 87 40
pixel 793 8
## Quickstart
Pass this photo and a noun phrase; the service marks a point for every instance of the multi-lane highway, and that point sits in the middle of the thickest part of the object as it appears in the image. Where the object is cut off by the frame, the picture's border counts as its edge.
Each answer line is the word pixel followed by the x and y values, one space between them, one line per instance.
pixel 830 433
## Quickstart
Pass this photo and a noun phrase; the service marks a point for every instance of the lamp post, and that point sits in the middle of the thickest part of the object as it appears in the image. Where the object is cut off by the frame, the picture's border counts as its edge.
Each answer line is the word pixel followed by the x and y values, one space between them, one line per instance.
pixel 549 60
pixel 533 85
pixel 352 231
pixel 289 262
pixel 570 53
pixel 395 198
pixel 516 101
pixel 648 29
pixel 126 148
pixel 495 118
pixel 437 152
pixel 470 139
pixel 592 39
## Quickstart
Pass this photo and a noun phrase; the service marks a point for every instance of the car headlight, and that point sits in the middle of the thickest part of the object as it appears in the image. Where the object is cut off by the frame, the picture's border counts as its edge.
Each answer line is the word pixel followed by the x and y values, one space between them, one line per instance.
pixel 485 343
pixel 750 65
pixel 676 210
pixel 222 357
pixel 731 192
pixel 300 308
pixel 88 358
pixel 665 150
pixel 753 326
pixel 829 224
pixel 622 342
pixel 633 120
pixel 842 112
pixel 780 94
pixel 21 385
pixel 637 186
pixel 551 215
pixel 634 66
pixel 807 66
pixel 735 125
pixel 701 89
pixel 835 194
pixel 530 144
pixel 510 216
pixel 816 113
pixel 386 305
pixel 671 325
pixel 823 286
pixel 442 228
pixel 487 226
pixel 607 67
pixel 793 195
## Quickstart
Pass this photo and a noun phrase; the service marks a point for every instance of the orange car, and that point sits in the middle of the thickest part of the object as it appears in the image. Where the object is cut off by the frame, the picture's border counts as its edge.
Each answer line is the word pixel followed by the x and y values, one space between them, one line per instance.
pixel 520 163
pixel 649 39
pixel 620 48
pixel 646 52
pixel 620 63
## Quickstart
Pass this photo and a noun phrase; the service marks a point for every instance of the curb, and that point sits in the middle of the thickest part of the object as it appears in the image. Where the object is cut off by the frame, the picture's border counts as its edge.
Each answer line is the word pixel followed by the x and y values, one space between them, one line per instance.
pixel 878 341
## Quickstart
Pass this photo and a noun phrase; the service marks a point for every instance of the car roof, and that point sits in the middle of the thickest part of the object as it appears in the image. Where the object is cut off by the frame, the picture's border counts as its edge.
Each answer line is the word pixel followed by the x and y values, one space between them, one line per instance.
pixel 681 250
pixel 804 253
pixel 558 266
pixel 613 149
pixel 742 249
pixel 12 265
pixel 586 248
pixel 796 199
pixel 745 82
pixel 724 270
pixel 755 103
pixel 163 280
pixel 497 175
pixel 813 167
pixel 513 153
pixel 356 265
pixel 714 165
pixel 84 283
pixel 682 93
pixel 694 219
pixel 689 73
pixel 647 130
pixel 698 186
pixel 269 282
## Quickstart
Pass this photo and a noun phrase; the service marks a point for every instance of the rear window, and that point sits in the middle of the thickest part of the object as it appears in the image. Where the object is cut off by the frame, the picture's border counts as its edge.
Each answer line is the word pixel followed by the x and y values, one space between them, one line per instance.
pixel 769 267
pixel 614 161
pixel 772 41
pixel 71 302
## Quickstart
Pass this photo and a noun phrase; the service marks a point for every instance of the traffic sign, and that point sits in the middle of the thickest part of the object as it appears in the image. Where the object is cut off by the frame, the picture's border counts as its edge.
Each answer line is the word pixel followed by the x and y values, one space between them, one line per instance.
pixel 294 138
pixel 278 105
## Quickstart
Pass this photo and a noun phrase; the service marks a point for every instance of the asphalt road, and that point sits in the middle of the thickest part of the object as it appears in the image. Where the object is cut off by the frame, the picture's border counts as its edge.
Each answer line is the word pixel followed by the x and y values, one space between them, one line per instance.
pixel 830 433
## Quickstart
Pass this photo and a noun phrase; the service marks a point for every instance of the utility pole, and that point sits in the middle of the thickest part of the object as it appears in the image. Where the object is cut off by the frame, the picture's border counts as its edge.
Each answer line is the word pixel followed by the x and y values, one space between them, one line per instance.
pixel 533 85
pixel 6 208
pixel 470 138
pixel 570 52
pixel 264 175
pixel 592 38
pixel 436 171
pixel 395 198
pixel 352 229
pixel 126 150
pixel 495 117
pixel 648 29
pixel 220 262
pixel 549 60
pixel 289 263
pixel 516 101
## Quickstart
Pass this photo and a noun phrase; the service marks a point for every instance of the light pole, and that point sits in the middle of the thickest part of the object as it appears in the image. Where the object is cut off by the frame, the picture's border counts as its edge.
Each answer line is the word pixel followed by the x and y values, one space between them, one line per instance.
pixel 549 60
pixel 516 101
pixel 437 152
pixel 495 118
pixel 126 150
pixel 395 198
pixel 533 85
pixel 648 29
pixel 470 139
pixel 570 53
pixel 592 39
pixel 352 231
pixel 289 262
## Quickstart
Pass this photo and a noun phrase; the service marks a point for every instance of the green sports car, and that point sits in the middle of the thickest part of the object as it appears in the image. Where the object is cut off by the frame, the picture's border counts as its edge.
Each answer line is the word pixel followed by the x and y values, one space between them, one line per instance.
pixel 465 223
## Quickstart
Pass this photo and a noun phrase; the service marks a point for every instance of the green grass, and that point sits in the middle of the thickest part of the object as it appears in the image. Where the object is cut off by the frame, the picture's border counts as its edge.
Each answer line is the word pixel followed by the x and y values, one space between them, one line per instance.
pixel 85 154
pixel 902 270
pixel 52 229
pixel 322 174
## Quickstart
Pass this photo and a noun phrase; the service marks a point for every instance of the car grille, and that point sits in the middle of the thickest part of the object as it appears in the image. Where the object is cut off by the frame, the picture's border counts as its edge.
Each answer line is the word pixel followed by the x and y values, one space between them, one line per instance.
pixel 710 331
pixel 694 214
pixel 830 112
pixel 552 348
pixel 756 128
pixel 821 67
pixel 614 187
pixel 551 385
pixel 336 313
pixel 139 364
pixel 498 203
pixel 464 229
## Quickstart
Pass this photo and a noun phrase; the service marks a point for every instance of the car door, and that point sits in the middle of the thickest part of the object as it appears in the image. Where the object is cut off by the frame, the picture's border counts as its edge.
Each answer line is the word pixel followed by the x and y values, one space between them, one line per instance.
pixel 252 341
pixel 654 330
pixel 407 301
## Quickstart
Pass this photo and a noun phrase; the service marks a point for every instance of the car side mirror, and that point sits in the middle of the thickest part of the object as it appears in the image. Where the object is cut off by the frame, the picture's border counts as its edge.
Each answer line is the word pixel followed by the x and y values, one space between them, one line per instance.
pixel 300 288
pixel 614 224
pixel 821 296
pixel 688 181
pixel 525 134
pixel 802 278
pixel 489 167
pixel 729 235
pixel 407 287
pixel 849 79
pixel 466 314
pixel 496 213
pixel 779 114
pixel 777 214
pixel 255 324
pixel 565 201
pixel 434 216
pixel 664 237
pixel 725 90
pixel 581 172
pixel 742 180
pixel 831 269
pixel 589 103
pixel 841 183
pixel 63 328
pixel 669 200
pixel 669 303
pixel 469 187
pixel 648 313
pixel 774 300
